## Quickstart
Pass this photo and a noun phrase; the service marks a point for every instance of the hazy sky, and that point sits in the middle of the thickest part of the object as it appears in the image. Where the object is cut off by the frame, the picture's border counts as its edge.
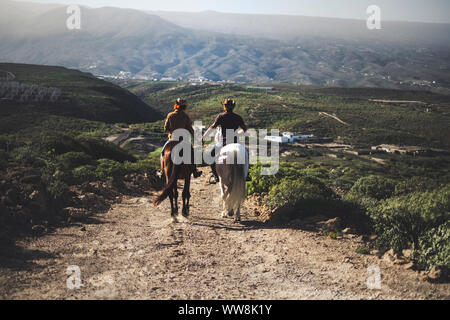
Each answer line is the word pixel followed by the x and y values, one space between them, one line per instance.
pixel 403 10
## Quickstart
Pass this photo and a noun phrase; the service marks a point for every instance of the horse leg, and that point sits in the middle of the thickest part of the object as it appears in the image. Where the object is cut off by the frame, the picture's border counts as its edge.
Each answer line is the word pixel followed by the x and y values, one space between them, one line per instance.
pixel 175 196
pixel 186 196
pixel 224 197
pixel 172 209
pixel 228 206
pixel 237 217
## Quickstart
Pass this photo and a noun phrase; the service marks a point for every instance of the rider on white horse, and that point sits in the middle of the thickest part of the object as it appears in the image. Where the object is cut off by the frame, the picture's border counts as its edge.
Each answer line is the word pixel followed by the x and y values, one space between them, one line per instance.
pixel 227 120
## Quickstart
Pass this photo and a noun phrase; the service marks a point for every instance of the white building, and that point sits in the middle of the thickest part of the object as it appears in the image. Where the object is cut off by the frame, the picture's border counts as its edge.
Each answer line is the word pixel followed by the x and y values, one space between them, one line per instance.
pixel 277 139
pixel 287 137
pixel 168 79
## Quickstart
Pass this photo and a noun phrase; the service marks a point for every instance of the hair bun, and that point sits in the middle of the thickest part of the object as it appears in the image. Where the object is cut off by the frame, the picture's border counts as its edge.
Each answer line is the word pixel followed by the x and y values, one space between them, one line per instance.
pixel 181 101
pixel 229 103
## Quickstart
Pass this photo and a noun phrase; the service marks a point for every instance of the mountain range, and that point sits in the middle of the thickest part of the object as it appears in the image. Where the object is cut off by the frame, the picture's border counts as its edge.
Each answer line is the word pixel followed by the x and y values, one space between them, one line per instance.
pixel 233 47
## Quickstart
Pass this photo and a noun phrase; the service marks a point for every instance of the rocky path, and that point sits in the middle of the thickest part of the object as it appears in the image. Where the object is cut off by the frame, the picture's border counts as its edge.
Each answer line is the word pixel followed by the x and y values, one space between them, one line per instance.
pixel 119 138
pixel 135 252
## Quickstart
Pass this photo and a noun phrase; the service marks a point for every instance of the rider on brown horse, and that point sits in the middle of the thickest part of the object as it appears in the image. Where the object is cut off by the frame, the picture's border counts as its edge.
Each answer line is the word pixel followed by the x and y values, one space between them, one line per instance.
pixel 178 119
pixel 226 120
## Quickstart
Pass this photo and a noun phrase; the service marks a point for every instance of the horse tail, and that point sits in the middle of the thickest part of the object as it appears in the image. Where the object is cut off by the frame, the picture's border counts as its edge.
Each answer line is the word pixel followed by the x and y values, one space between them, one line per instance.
pixel 170 185
pixel 237 190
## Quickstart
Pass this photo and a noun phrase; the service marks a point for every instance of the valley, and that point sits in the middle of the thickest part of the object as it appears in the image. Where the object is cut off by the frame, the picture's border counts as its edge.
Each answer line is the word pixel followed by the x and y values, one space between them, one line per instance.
pixel 85 166
pixel 130 44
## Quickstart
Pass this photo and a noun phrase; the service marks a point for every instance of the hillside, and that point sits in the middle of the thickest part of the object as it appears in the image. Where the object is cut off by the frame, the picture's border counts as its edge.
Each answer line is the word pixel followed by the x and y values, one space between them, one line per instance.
pixel 80 100
pixel 298 109
pixel 147 46
pixel 297 28
pixel 53 122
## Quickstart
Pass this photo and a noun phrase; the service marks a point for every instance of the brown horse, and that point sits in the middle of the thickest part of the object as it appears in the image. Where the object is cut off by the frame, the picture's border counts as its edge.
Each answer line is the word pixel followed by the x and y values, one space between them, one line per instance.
pixel 173 173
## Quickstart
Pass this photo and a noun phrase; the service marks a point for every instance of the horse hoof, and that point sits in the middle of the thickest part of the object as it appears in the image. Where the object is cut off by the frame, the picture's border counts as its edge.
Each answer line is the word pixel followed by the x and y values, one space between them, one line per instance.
pixel 174 220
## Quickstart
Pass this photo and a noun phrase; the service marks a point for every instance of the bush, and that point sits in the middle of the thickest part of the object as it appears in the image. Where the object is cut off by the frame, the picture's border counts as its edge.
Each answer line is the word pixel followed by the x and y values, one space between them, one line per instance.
pixel 434 248
pixel 293 192
pixel 145 166
pixel 56 142
pixel 57 188
pixel 261 183
pixel 27 154
pixel 110 171
pixel 362 250
pixel 415 184
pixel 83 174
pixel 71 160
pixel 53 180
pixel 363 202
pixel 100 149
pixel 374 186
pixel 400 221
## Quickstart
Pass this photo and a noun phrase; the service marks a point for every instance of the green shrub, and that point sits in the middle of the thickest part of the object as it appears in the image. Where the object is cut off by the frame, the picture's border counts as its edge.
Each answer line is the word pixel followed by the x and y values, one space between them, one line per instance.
pixel 400 221
pixel 434 248
pixel 28 154
pixel 363 202
pixel 83 174
pixel 374 186
pixel 144 166
pixel 71 160
pixel 56 142
pixel 415 184
pixel 57 188
pixel 363 250
pixel 100 149
pixel 260 183
pixel 53 179
pixel 110 171
pixel 293 192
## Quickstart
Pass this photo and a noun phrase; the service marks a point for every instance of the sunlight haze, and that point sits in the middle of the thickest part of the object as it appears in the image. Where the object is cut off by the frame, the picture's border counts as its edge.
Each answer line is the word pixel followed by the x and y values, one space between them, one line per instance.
pixel 401 10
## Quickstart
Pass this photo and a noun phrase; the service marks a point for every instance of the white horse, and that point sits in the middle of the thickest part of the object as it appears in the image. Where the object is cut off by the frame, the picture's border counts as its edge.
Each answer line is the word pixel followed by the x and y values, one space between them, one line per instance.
pixel 232 167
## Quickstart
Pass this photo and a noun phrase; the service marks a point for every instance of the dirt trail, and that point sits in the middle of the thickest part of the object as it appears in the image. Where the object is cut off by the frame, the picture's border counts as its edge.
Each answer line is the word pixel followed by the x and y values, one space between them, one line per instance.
pixel 333 117
pixel 119 138
pixel 397 101
pixel 135 252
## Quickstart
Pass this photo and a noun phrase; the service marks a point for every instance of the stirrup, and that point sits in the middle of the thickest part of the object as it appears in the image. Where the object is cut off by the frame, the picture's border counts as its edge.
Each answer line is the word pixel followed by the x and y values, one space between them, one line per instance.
pixel 197 174
pixel 213 180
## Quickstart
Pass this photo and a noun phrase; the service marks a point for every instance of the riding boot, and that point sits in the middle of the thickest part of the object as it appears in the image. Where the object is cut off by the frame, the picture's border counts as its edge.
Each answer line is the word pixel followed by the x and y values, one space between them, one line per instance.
pixel 214 171
pixel 195 172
